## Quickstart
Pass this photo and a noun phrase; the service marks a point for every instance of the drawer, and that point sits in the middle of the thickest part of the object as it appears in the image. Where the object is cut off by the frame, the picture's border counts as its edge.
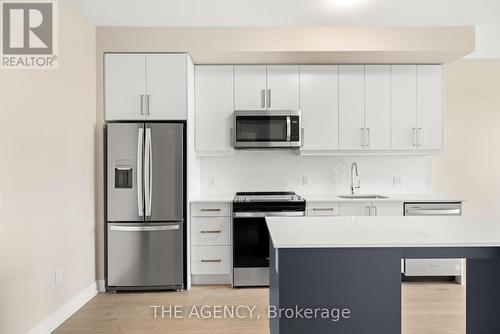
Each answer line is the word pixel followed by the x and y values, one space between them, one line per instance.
pixel 211 209
pixel 210 260
pixel 206 231
pixel 323 209
pixel 433 267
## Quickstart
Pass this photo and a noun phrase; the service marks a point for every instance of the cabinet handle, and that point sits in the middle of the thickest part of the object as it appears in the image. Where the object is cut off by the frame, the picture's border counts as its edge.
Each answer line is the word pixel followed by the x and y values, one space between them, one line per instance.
pixel 369 210
pixel 263 98
pixel 231 137
pixel 414 135
pixel 142 104
pixel 210 210
pixel 211 232
pixel 302 132
pixel 362 137
pixel 323 209
pixel 147 104
pixel 368 137
pixel 375 210
pixel 211 261
pixel 269 98
pixel 420 137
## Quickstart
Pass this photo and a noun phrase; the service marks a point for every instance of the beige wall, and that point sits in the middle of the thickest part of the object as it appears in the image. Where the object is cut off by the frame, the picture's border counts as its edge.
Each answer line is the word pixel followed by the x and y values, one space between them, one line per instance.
pixel 302 45
pixel 470 164
pixel 47 125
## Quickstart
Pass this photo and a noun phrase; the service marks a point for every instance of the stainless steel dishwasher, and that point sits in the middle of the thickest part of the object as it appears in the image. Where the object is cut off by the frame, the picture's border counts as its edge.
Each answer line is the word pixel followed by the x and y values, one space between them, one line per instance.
pixel 438 268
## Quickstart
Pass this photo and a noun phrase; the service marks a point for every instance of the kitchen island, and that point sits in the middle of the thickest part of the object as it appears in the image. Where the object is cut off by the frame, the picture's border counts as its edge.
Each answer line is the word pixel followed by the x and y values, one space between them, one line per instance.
pixel 343 274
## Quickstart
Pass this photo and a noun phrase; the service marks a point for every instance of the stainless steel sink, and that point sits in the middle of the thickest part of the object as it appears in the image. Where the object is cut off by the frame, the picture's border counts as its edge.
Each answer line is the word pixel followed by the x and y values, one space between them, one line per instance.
pixel 363 196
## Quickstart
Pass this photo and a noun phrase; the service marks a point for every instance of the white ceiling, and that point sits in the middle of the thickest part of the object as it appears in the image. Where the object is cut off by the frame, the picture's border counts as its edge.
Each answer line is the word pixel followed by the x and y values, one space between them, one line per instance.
pixel 484 14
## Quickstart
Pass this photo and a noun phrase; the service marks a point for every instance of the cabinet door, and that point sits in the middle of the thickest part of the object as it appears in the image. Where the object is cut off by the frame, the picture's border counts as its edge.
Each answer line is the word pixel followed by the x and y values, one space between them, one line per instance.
pixel 124 86
pixel 387 209
pixel 214 108
pixel 355 208
pixel 430 107
pixel 378 107
pixel 403 107
pixel 283 87
pixel 351 107
pixel 249 87
pixel 319 106
pixel 166 86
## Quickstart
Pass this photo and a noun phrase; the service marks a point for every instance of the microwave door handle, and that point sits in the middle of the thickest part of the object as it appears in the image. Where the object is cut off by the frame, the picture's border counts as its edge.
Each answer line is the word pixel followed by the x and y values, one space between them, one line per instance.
pixel 288 129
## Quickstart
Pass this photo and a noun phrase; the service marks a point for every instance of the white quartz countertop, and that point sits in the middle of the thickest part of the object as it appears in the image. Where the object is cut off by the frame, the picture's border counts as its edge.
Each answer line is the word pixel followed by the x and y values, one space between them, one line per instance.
pixel 351 232
pixel 212 198
pixel 391 198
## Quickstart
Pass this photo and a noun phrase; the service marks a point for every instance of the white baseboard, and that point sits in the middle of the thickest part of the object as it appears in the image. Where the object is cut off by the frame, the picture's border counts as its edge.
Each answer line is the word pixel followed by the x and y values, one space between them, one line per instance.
pixel 64 312
pixel 101 287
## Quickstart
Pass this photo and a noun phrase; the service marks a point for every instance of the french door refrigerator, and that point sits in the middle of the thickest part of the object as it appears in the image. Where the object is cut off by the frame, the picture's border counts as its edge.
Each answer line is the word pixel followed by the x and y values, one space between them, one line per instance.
pixel 145 206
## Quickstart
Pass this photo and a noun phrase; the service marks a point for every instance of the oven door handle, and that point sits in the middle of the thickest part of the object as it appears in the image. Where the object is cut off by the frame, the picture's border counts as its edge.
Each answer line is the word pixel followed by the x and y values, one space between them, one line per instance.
pixel 268 214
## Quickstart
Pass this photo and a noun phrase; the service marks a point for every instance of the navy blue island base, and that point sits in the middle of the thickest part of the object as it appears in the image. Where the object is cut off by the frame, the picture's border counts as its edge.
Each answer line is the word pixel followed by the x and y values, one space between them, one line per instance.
pixel 367 282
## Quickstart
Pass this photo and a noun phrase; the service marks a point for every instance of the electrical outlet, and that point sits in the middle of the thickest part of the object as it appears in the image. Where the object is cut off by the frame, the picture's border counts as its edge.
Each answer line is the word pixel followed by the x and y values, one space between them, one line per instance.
pixel 397 181
pixel 305 180
pixel 58 277
pixel 211 182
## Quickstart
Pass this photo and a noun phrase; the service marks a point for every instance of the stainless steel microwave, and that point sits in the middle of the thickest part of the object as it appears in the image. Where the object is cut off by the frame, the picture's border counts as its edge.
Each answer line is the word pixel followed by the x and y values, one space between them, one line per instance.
pixel 267 129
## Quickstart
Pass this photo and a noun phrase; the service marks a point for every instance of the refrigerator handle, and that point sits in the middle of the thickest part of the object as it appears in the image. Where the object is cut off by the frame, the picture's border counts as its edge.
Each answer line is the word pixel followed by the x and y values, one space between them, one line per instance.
pixel 140 202
pixel 148 175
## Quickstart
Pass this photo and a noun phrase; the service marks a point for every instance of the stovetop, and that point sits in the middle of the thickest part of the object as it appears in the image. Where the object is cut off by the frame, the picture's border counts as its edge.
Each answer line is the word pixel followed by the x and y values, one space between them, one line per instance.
pixel 267 196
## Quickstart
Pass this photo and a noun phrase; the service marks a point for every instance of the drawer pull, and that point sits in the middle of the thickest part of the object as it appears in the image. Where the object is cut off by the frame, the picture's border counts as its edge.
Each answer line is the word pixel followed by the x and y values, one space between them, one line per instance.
pixel 211 261
pixel 210 232
pixel 210 210
pixel 323 209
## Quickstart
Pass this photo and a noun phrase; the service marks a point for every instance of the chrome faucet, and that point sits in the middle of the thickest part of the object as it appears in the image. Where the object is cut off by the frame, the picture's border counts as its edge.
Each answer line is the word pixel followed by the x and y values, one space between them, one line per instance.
pixel 354 169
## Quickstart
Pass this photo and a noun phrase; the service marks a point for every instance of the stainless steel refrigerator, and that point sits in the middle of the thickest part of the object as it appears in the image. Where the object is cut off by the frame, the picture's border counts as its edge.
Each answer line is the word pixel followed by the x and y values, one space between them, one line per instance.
pixel 145 206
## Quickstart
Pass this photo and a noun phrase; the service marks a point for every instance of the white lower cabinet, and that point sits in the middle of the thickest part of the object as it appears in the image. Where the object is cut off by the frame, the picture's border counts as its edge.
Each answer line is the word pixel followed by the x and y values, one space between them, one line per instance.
pixel 211 260
pixel 210 243
pixel 367 208
pixel 206 231
pixel 323 209
pixel 355 208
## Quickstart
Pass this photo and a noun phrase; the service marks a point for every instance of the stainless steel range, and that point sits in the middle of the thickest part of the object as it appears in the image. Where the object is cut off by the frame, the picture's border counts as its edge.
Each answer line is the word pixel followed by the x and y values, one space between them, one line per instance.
pixel 250 234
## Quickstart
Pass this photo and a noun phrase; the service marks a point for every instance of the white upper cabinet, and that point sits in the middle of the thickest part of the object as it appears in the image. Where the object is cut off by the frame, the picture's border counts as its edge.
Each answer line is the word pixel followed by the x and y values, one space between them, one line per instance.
pixel 250 87
pixel 145 86
pixel 319 105
pixel 260 87
pixel 124 86
pixel 404 107
pixel 214 109
pixel 283 87
pixel 377 107
pixel 166 86
pixel 430 107
pixel 417 107
pixel 351 107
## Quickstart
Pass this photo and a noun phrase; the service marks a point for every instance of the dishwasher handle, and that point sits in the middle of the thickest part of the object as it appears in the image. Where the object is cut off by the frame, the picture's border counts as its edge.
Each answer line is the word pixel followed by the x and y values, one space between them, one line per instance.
pixel 432 212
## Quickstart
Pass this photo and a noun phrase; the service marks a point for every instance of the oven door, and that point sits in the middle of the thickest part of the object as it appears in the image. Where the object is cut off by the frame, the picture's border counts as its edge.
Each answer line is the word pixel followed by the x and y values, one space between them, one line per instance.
pixel 250 243
pixel 250 252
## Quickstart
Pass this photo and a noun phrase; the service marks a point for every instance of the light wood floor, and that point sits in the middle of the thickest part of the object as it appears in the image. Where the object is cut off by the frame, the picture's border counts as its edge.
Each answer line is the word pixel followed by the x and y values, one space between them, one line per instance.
pixel 428 308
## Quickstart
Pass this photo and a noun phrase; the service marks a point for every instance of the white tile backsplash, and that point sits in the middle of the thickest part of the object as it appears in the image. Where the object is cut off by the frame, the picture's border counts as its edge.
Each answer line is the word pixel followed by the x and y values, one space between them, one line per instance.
pixel 282 170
